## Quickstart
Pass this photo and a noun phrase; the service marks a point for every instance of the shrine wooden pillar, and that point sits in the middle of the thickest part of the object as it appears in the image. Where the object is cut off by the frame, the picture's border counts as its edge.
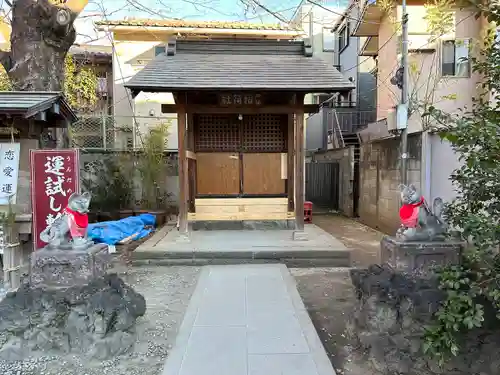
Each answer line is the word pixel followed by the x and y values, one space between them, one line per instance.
pixel 191 162
pixel 291 155
pixel 299 162
pixel 181 103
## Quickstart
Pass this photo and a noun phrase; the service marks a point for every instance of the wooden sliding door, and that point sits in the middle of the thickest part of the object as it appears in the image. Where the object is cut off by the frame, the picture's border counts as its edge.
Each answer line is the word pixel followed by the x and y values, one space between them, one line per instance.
pixel 240 156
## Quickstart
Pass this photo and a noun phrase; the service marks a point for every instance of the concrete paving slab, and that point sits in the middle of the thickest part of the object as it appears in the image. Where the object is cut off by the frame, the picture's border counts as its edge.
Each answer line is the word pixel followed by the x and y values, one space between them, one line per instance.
pixel 215 351
pixel 239 246
pixel 247 319
pixel 281 364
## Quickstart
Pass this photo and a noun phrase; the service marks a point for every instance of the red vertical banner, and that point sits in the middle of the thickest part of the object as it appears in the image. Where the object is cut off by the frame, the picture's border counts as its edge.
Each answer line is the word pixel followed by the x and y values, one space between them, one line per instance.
pixel 55 175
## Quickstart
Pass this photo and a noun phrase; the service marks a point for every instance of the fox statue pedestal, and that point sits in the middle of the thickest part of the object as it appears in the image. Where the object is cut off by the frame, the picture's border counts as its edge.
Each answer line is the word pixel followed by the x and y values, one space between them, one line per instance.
pixel 418 258
pixel 69 303
pixel 51 268
pixel 397 300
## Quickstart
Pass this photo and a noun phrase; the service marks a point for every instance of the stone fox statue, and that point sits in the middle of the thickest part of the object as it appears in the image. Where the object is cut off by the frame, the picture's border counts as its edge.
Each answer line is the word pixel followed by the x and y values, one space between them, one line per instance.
pixel 69 231
pixel 419 222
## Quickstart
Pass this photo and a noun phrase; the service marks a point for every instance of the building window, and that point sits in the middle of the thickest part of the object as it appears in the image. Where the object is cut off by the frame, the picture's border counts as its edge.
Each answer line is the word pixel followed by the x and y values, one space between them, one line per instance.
pixel 159 50
pixel 455 61
pixel 343 37
pixel 328 40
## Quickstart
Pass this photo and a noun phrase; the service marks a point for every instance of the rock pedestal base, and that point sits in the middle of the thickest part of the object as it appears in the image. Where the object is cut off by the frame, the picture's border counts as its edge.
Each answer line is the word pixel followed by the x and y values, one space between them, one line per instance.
pixel 418 257
pixel 95 320
pixel 70 304
pixel 51 269
pixel 390 319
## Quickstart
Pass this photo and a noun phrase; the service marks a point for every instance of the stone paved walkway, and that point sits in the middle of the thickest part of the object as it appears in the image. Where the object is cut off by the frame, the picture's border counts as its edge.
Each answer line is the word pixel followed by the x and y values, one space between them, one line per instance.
pixel 247 320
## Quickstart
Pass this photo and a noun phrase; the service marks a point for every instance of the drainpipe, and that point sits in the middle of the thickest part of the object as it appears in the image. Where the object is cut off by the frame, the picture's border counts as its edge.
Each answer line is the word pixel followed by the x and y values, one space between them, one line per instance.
pixel 311 29
pixel 425 165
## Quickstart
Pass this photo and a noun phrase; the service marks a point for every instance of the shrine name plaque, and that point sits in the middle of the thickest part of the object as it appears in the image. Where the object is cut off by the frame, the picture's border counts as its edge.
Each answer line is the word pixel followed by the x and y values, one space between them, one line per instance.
pixel 238 99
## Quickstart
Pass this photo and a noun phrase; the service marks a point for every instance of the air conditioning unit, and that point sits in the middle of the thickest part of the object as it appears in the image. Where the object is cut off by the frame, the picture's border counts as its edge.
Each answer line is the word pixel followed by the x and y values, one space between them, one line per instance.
pixel 392 120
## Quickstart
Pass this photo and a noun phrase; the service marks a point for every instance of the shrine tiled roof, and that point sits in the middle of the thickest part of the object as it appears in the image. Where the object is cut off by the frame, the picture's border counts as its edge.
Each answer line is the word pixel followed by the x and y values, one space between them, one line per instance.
pixel 239 64
pixel 31 103
pixel 194 24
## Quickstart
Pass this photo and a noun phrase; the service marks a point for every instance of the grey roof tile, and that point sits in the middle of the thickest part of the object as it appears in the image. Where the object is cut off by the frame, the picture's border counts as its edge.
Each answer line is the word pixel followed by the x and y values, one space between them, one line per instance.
pixel 29 103
pixel 223 64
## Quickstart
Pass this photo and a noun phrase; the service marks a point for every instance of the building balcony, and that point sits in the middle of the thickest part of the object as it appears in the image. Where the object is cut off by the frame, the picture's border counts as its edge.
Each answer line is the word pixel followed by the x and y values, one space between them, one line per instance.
pixel 369 46
pixel 369 22
pixel 326 128
pixel 348 119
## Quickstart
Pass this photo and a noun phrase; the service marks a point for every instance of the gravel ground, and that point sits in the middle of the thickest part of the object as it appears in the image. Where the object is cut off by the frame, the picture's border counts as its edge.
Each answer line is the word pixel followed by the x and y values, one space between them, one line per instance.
pixel 167 291
pixel 329 299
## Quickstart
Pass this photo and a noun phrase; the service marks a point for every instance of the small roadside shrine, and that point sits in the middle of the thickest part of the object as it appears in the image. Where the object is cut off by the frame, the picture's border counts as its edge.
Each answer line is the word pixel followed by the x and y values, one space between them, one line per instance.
pixel 29 120
pixel 240 108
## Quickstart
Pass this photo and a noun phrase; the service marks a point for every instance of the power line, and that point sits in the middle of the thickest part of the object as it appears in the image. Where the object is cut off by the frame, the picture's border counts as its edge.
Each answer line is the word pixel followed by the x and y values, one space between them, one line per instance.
pixel 369 57
pixel 263 7
pixel 296 10
pixel 342 14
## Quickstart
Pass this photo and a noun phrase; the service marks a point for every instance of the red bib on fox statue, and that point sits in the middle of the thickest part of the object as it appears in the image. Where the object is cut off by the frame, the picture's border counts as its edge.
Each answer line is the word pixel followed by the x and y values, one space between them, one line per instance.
pixel 78 222
pixel 408 213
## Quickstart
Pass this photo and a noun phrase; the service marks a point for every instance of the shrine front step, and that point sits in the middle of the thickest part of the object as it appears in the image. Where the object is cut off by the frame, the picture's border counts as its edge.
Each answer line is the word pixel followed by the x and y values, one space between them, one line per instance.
pixel 315 248
pixel 295 259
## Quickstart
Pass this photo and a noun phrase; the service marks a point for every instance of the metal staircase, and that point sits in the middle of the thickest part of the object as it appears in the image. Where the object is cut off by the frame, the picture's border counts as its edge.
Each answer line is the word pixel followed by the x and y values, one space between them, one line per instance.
pixel 352 139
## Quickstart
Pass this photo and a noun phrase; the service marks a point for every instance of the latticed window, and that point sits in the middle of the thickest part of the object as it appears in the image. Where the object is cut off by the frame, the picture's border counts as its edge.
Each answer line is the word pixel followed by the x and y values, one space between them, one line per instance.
pixel 253 133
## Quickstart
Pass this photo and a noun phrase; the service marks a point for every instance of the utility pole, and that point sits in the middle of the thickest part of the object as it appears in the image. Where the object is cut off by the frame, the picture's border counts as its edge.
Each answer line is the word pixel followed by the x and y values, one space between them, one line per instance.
pixel 402 112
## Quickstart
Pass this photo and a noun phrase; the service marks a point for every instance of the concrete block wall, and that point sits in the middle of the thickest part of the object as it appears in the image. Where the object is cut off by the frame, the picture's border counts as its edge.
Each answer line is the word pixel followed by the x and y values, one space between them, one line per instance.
pixel 379 199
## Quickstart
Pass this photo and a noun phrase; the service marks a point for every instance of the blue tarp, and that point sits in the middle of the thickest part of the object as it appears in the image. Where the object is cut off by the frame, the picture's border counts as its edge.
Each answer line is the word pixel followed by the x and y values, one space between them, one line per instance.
pixel 112 232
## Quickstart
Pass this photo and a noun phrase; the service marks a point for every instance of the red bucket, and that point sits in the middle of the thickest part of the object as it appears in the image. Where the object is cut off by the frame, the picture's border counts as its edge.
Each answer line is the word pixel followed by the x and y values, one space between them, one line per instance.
pixel 308 212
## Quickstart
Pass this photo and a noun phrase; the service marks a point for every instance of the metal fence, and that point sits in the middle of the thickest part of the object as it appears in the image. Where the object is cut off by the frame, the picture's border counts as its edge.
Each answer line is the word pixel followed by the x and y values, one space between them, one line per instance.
pixel 117 133
pixel 322 184
pixel 117 166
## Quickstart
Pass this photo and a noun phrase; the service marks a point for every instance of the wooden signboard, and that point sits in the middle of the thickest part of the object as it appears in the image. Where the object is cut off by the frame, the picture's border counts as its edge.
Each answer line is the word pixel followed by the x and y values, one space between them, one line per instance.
pixel 239 99
pixel 55 175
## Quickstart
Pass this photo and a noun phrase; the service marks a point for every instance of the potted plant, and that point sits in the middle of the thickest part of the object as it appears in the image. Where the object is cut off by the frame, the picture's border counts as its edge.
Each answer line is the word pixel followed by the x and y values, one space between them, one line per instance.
pixel 152 167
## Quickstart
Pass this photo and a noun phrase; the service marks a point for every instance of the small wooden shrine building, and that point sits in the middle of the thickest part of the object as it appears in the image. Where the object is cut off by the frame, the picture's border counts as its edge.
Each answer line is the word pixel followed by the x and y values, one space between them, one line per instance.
pixel 240 106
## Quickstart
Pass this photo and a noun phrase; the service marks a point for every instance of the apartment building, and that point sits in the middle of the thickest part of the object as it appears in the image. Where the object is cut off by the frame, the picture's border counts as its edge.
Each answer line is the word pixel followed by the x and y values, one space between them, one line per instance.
pixel 440 75
pixel 358 131
pixel 316 19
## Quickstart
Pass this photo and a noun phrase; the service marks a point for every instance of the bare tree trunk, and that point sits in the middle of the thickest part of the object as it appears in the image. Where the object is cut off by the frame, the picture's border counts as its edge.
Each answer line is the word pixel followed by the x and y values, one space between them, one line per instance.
pixel 42 34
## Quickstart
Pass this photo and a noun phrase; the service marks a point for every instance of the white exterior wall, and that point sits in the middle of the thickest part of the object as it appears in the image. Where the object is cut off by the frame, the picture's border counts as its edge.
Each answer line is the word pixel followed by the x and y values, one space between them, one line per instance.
pixel 129 58
pixel 321 18
pixel 438 163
